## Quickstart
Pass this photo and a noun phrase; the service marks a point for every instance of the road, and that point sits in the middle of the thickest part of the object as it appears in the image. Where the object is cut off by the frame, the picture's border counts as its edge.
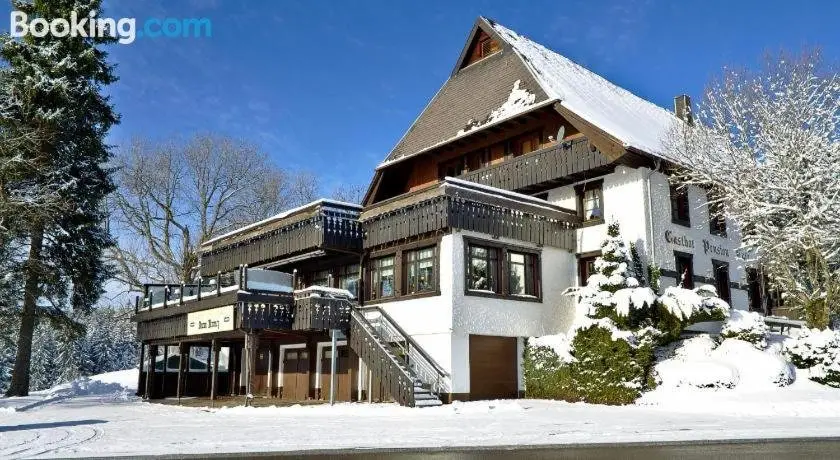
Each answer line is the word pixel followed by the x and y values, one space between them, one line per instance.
pixel 762 449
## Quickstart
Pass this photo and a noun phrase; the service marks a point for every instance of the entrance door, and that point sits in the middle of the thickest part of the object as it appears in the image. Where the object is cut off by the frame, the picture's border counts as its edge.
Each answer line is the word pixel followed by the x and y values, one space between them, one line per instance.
pixel 493 367
pixel 261 367
pixel 296 375
pixel 343 389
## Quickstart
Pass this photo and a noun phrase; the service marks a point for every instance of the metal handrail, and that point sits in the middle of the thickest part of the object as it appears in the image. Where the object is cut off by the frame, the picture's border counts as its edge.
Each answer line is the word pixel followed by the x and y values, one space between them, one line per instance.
pixel 437 367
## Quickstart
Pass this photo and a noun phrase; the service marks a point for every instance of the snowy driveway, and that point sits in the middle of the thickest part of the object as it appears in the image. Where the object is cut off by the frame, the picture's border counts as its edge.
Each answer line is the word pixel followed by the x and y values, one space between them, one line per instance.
pixel 106 425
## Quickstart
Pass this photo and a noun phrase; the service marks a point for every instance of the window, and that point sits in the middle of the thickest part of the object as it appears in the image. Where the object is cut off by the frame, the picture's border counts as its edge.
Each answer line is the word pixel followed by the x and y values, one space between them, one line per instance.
pixel 322 278
pixel 224 358
pixel 685 269
pixel 348 278
pixel 721 272
pixel 419 270
pixel 173 358
pixel 451 168
pixel 586 267
pixel 483 269
pixel 679 206
pixel 488 46
pixel 522 274
pixel 478 159
pixel 542 196
pixel 591 201
pixel 199 359
pixel 382 277
pixel 717 221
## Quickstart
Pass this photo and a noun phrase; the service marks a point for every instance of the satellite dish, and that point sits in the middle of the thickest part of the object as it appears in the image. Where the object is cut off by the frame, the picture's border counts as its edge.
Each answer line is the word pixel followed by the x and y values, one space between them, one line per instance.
pixel 561 133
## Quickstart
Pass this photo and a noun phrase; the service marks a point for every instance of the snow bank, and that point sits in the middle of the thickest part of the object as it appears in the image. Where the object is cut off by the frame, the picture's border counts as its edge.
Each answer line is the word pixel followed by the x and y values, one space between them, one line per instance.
pixel 119 385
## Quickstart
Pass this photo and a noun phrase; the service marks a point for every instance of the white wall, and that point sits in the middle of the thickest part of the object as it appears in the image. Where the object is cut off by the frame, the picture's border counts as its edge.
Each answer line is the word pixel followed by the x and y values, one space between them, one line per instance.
pixel 428 320
pixel 625 201
pixel 442 324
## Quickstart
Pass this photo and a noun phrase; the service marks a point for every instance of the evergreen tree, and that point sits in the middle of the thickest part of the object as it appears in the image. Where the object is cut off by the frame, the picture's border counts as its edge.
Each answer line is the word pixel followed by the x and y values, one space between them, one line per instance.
pixel 55 117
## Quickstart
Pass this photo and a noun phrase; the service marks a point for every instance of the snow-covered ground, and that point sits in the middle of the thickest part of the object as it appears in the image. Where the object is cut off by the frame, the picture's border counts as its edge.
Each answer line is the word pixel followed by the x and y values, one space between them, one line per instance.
pixel 98 417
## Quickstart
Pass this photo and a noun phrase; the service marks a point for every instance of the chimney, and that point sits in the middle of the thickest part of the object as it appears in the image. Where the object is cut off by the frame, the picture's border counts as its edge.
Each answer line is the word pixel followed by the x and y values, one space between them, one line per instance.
pixel 682 108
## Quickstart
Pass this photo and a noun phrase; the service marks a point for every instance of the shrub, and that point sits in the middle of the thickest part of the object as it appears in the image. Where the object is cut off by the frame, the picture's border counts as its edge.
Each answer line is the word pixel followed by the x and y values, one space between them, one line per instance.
pixel 818 351
pixel 604 369
pixel 747 326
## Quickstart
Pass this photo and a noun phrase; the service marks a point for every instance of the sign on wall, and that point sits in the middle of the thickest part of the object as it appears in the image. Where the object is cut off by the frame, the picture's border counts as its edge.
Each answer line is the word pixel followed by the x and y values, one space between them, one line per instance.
pixel 208 321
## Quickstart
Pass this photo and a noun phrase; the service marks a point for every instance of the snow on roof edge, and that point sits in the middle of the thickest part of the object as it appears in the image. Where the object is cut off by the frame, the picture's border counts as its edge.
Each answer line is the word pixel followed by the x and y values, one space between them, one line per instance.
pixel 536 105
pixel 279 216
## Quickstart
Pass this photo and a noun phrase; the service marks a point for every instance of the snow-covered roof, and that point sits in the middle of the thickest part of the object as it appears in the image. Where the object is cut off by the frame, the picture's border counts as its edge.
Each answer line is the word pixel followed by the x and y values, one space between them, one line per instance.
pixel 282 215
pixel 629 118
pixel 533 77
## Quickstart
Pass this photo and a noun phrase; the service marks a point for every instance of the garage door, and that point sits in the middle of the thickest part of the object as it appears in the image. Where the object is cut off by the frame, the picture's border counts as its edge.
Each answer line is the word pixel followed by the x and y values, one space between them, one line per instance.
pixel 493 367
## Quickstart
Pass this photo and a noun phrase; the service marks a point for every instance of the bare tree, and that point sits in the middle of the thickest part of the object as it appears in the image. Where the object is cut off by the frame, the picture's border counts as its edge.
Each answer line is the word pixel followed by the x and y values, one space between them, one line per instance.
pixel 349 193
pixel 768 143
pixel 174 195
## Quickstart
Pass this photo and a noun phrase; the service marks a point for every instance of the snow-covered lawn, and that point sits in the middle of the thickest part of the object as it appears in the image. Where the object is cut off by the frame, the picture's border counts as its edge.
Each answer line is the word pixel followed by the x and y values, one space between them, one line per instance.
pixel 97 418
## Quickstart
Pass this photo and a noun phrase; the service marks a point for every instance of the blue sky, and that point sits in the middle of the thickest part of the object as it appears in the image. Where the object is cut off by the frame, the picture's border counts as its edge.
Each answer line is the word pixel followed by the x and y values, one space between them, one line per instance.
pixel 330 86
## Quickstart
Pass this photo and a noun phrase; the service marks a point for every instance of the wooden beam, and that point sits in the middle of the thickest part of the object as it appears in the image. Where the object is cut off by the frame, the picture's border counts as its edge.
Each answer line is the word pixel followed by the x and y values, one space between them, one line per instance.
pixel 140 374
pixel 150 373
pixel 181 362
pixel 609 146
pixel 215 371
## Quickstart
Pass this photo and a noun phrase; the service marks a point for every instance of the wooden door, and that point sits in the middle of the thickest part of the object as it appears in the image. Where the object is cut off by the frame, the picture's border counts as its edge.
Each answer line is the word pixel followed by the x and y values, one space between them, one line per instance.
pixel 261 367
pixel 493 367
pixel 296 375
pixel 343 387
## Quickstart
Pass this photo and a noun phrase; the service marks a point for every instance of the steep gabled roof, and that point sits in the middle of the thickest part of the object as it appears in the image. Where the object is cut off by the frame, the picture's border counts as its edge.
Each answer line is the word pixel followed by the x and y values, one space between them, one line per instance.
pixel 522 77
pixel 632 120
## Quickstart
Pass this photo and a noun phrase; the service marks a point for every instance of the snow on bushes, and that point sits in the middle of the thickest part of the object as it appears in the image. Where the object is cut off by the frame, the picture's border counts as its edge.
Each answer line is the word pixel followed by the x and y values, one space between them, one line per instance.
pixel 746 325
pixel 700 362
pixel 818 352
pixel 608 357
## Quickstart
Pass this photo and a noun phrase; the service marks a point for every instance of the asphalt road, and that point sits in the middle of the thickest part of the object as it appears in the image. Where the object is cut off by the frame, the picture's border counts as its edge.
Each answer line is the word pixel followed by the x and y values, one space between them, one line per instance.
pixel 736 449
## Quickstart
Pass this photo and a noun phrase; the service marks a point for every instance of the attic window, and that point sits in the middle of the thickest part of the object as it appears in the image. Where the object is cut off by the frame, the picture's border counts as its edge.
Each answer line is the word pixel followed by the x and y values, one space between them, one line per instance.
pixel 488 46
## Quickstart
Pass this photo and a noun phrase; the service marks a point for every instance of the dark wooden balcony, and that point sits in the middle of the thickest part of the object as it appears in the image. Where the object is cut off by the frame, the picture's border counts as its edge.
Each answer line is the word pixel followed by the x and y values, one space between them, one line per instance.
pixel 319 226
pixel 258 315
pixel 321 313
pixel 541 169
pixel 458 204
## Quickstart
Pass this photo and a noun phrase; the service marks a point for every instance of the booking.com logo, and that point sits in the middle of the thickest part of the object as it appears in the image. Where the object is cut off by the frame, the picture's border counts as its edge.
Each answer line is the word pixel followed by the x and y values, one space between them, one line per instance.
pixel 123 29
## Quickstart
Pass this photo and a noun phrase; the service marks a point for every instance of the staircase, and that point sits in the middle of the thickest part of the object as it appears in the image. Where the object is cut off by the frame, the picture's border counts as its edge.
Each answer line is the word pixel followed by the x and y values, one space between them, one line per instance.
pixel 406 371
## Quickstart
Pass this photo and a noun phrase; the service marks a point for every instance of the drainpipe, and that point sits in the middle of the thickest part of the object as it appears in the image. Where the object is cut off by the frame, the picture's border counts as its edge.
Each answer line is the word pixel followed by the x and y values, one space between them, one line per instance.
pixel 649 212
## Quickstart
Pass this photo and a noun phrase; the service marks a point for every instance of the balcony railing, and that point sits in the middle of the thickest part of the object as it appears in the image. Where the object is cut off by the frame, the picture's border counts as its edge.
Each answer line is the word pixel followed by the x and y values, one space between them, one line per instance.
pixel 252 280
pixel 321 313
pixel 458 204
pixel 540 167
pixel 319 225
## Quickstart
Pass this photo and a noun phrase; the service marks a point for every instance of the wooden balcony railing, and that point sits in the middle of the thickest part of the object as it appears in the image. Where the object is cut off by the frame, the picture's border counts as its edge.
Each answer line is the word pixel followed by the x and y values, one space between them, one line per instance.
pixel 258 315
pixel 321 313
pixel 540 167
pixel 456 204
pixel 325 226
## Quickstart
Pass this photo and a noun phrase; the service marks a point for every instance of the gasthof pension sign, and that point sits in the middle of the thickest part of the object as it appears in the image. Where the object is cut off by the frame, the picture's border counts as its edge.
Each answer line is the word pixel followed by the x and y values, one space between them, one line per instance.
pixel 213 320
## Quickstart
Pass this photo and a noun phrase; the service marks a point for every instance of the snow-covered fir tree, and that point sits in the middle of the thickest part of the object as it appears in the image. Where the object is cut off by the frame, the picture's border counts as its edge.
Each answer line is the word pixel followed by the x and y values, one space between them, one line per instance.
pixel 55 118
pixel 608 356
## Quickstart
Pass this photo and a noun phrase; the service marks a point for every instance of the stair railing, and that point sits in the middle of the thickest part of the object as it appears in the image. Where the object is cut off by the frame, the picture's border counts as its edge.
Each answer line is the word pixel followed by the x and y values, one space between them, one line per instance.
pixel 394 375
pixel 415 358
